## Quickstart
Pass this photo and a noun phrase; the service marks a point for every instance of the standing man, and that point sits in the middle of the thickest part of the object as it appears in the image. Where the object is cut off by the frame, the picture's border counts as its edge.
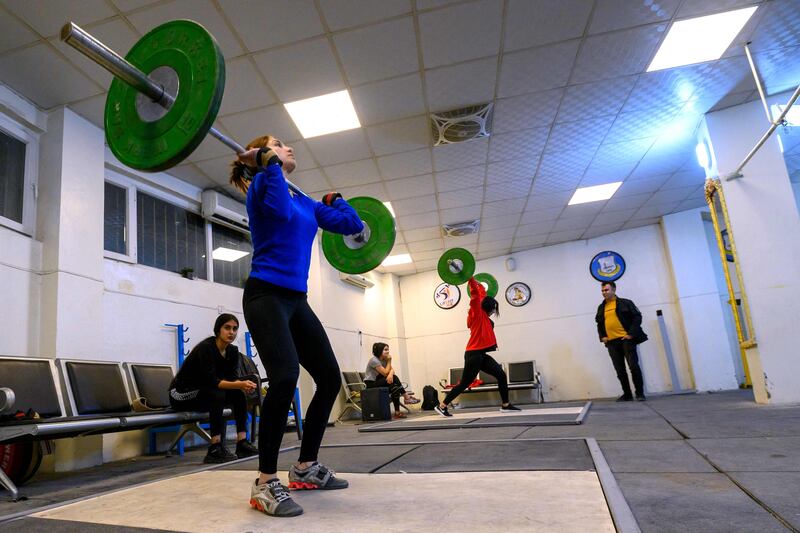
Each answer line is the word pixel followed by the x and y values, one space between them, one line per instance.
pixel 619 325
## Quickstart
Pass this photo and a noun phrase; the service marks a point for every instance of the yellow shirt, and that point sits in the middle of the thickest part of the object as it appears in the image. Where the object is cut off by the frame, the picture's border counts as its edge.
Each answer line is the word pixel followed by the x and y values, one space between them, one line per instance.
pixel 614 329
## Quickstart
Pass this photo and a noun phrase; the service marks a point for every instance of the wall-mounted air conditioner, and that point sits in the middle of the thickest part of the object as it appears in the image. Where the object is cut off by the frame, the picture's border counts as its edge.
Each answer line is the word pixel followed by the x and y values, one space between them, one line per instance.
pixel 357 279
pixel 224 210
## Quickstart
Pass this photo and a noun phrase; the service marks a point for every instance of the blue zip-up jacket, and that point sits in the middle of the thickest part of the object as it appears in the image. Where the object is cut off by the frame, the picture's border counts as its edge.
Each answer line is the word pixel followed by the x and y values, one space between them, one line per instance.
pixel 283 227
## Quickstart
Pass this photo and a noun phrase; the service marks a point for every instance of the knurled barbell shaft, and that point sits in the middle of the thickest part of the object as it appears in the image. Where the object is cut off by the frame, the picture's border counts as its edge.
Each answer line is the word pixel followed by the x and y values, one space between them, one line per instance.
pixel 85 43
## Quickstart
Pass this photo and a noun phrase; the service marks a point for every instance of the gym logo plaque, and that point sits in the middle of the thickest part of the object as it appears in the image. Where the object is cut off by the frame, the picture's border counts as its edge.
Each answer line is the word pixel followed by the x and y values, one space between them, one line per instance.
pixel 447 296
pixel 518 294
pixel 607 266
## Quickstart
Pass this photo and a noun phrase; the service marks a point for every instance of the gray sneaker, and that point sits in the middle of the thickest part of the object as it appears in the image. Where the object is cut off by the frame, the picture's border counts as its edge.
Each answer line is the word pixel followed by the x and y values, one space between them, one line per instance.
pixel 273 499
pixel 316 476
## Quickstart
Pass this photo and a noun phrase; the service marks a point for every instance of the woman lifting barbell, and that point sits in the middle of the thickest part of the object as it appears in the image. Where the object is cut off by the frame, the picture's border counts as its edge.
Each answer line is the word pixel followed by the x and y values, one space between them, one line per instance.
pixel 476 356
pixel 285 330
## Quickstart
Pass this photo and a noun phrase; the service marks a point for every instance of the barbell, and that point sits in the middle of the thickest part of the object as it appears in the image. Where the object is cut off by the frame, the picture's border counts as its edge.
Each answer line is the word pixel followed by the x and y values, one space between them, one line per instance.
pixel 162 103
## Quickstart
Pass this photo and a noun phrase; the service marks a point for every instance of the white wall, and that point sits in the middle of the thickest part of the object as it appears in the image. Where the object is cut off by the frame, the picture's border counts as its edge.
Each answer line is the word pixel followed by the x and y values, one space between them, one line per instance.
pixel 557 327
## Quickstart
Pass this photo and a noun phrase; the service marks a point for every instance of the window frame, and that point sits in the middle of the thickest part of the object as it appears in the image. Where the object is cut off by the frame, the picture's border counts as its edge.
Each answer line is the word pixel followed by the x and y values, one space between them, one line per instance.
pixel 31 175
pixel 130 218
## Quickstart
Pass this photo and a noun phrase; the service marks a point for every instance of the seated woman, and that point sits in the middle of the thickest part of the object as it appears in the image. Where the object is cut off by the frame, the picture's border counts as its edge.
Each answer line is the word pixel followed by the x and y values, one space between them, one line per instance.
pixel 207 382
pixel 381 374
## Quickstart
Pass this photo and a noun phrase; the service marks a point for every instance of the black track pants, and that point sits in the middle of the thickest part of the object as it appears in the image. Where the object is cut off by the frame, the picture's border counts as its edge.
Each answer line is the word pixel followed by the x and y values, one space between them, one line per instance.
pixel 474 362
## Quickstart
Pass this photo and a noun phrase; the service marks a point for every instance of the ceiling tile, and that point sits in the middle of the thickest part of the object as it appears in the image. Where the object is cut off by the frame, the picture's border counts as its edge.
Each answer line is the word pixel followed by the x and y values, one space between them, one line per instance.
pixel 460 214
pixel 211 148
pixel 537 228
pixel 348 13
pixel 616 154
pixel 459 155
pixel 364 51
pixel 462 178
pixel 502 246
pixel 547 201
pixel 612 15
pixel 697 8
pixel 695 200
pixel 654 211
pixel 423 234
pixel 37 83
pixel 514 169
pixel 389 100
pixel 507 190
pixel 461 85
pixel 464 241
pixel 595 99
pixel 310 181
pixel 405 164
pixel 218 170
pixel 427 255
pixel 606 174
pixel 243 88
pixel 502 221
pixel 552 183
pixel 442 31
pixel 565 236
pixel 582 211
pixel 600 230
pixel 47 17
pixel 640 124
pixel 779 26
pixel 353 173
pixel 581 223
pixel 627 202
pixel 261 26
pixel 302 156
pixel 583 134
pixel 400 135
pixel 613 217
pixel 410 187
pixel 541 22
pixel 93 109
pixel 523 112
pixel 412 206
pixel 640 222
pixel 131 5
pixel 525 242
pixel 534 215
pixel 306 69
pixel 373 190
pixel 191 174
pixel 617 54
pixel 670 196
pixel 421 220
pixel 202 11
pixel 536 69
pixel 666 88
pixel 252 124
pixel 460 198
pixel 686 178
pixel 526 144
pixel 424 246
pixel 14 34
pixel 496 234
pixel 493 209
pixel 641 186
pixel 339 147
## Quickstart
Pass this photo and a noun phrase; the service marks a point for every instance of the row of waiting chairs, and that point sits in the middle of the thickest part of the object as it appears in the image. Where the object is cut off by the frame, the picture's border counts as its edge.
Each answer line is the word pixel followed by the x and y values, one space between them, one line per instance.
pixel 521 375
pixel 99 398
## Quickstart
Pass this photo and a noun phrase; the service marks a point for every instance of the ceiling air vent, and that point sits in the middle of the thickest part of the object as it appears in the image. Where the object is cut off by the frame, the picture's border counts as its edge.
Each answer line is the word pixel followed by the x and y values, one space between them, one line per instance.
pixel 459 229
pixel 461 125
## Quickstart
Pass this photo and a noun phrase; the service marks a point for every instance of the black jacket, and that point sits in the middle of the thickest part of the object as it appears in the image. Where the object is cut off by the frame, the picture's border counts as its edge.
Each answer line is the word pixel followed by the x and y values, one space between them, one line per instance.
pixel 204 367
pixel 629 316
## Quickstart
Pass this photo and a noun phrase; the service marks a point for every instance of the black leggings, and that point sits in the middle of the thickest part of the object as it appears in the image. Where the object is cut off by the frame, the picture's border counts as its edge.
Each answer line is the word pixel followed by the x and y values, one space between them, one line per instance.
pixel 214 401
pixel 474 362
pixel 395 388
pixel 288 334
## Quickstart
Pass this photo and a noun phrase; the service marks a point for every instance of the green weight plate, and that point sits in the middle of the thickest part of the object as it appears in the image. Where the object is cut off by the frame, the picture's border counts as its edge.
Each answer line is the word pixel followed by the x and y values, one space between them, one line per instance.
pixel 456 266
pixel 198 67
pixel 489 281
pixel 353 255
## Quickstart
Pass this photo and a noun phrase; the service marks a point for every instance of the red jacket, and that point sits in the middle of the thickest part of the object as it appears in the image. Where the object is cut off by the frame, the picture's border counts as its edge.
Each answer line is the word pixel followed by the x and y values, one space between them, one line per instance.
pixel 481 330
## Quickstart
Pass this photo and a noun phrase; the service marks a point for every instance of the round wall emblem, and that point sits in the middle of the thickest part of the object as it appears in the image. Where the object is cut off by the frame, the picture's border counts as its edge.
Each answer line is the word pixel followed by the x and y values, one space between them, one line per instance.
pixel 607 266
pixel 446 296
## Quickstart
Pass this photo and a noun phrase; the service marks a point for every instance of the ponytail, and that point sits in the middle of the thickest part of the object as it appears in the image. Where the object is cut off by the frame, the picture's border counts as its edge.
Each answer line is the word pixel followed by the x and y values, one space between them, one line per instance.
pixel 240 175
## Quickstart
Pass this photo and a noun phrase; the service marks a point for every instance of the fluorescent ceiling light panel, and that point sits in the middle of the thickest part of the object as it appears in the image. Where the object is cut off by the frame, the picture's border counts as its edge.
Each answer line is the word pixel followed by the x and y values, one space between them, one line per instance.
pixel 700 39
pixel 321 115
pixel 399 259
pixel 228 254
pixel 389 207
pixel 595 193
